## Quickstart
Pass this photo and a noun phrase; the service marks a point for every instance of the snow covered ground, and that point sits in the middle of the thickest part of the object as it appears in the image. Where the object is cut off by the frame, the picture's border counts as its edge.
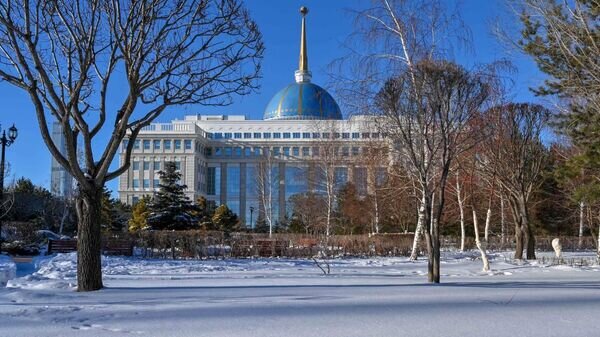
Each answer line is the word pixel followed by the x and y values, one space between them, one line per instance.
pixel 280 297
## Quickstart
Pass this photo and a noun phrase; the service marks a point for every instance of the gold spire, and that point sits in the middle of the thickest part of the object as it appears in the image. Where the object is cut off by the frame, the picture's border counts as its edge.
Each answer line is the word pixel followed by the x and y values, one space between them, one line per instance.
pixel 303 74
pixel 303 64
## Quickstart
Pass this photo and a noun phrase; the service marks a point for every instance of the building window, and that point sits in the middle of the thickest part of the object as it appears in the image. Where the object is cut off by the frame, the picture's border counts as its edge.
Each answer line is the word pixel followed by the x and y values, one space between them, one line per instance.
pixel 266 135
pixel 146 145
pixel 296 135
pixel 218 152
pixel 187 144
pixel 257 135
pixel 136 165
pixel 136 144
pixel 146 165
pixel 365 135
pixel 146 183
pixel 135 199
pixel 345 152
pixel 315 151
pixel 336 135
pixel 177 144
pixel 237 135
pixel 247 135
pixel 178 165
pixel 276 135
pixel 227 135
pixel 247 151
pixel 375 135
pixel 218 135
pixel 286 151
pixel 208 151
pixel 136 183
pixel 209 135
pixel 286 135
pixel 305 151
pixel 228 151
pixel 326 135
pixel 276 151
pixel 355 151
pixel 156 182
pixel 125 142
pixel 345 135
pixel 257 151
pixel 340 176
pixel 213 180
pixel 238 151
pixel 306 135
pixel 296 151
pixel 156 166
pixel 167 144
pixel 316 135
pixel 156 144
pixel 355 135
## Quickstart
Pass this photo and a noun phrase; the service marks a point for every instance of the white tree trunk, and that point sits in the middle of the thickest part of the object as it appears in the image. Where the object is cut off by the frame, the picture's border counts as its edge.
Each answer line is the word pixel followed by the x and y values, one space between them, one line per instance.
pixel 480 245
pixel 581 210
pixel 376 214
pixel 418 231
pixel 502 223
pixel 488 218
pixel 462 215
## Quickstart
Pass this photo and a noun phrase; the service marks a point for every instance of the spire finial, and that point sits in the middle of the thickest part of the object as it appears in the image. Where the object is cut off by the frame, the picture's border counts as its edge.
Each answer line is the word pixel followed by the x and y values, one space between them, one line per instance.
pixel 303 74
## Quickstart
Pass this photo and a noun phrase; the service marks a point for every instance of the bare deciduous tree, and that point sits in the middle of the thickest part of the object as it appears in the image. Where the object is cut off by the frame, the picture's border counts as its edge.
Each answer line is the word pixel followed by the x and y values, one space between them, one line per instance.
pixel 427 113
pixel 513 156
pixel 113 66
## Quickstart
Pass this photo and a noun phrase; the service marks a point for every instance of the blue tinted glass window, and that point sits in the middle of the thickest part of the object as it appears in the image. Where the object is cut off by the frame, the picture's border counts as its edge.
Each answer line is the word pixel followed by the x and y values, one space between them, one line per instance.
pixel 306 135
pixel 156 144
pixel 286 135
pixel 188 144
pixel 266 135
pixel 345 135
pixel 247 135
pixel 237 135
pixel 178 144
pixel 296 135
pixel 355 135
pixel 146 145
pixel 276 135
pixel 167 144
pixel 257 135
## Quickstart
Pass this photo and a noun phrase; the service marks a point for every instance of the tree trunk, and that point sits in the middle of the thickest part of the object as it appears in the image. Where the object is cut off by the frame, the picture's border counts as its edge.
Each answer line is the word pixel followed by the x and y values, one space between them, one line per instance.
pixel 418 230
pixel 433 243
pixel 518 228
pixel 89 266
pixel 488 218
pixel 502 222
pixel 528 229
pixel 462 215
pixel 581 210
pixel 481 245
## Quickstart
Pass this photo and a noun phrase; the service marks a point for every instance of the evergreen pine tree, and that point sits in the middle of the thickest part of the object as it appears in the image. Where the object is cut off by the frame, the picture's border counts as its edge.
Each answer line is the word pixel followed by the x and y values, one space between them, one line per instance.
pixel 170 208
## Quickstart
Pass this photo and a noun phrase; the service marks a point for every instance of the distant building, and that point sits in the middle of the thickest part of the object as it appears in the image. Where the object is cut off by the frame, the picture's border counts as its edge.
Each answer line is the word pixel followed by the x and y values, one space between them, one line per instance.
pixel 221 157
pixel 61 181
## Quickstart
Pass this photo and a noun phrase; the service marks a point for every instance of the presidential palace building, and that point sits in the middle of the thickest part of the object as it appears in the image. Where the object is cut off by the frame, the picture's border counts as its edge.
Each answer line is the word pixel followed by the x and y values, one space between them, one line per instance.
pixel 219 156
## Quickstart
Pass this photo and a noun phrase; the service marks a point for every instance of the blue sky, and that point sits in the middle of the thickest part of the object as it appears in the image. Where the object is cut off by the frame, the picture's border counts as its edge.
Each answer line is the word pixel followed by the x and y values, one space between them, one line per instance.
pixel 328 24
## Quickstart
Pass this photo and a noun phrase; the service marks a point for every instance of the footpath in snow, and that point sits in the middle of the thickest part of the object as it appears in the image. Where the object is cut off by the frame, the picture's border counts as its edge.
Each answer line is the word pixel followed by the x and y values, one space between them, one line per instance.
pixel 285 297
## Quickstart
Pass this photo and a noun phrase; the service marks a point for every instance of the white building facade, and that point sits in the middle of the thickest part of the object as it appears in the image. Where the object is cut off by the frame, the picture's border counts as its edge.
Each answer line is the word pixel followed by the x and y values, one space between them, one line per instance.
pixel 224 158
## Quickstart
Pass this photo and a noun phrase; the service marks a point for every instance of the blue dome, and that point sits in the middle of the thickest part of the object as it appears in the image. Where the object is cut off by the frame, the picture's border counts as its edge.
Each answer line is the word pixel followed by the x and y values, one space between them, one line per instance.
pixel 302 100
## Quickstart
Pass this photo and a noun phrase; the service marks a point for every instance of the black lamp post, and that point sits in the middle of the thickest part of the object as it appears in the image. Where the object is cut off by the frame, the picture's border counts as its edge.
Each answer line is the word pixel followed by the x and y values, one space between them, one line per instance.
pixel 12 135
pixel 251 212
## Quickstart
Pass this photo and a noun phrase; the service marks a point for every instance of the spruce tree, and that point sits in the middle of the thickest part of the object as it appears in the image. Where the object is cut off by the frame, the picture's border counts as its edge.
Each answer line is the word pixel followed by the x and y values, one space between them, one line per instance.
pixel 170 208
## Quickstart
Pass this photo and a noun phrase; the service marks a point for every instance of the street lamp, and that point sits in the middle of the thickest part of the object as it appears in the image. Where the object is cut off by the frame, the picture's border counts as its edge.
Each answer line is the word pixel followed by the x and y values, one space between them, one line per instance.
pixel 251 212
pixel 12 135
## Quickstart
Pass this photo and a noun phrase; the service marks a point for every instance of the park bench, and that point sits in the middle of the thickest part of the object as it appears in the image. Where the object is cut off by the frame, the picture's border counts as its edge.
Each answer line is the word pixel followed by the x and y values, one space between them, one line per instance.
pixel 62 246
pixel 109 247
